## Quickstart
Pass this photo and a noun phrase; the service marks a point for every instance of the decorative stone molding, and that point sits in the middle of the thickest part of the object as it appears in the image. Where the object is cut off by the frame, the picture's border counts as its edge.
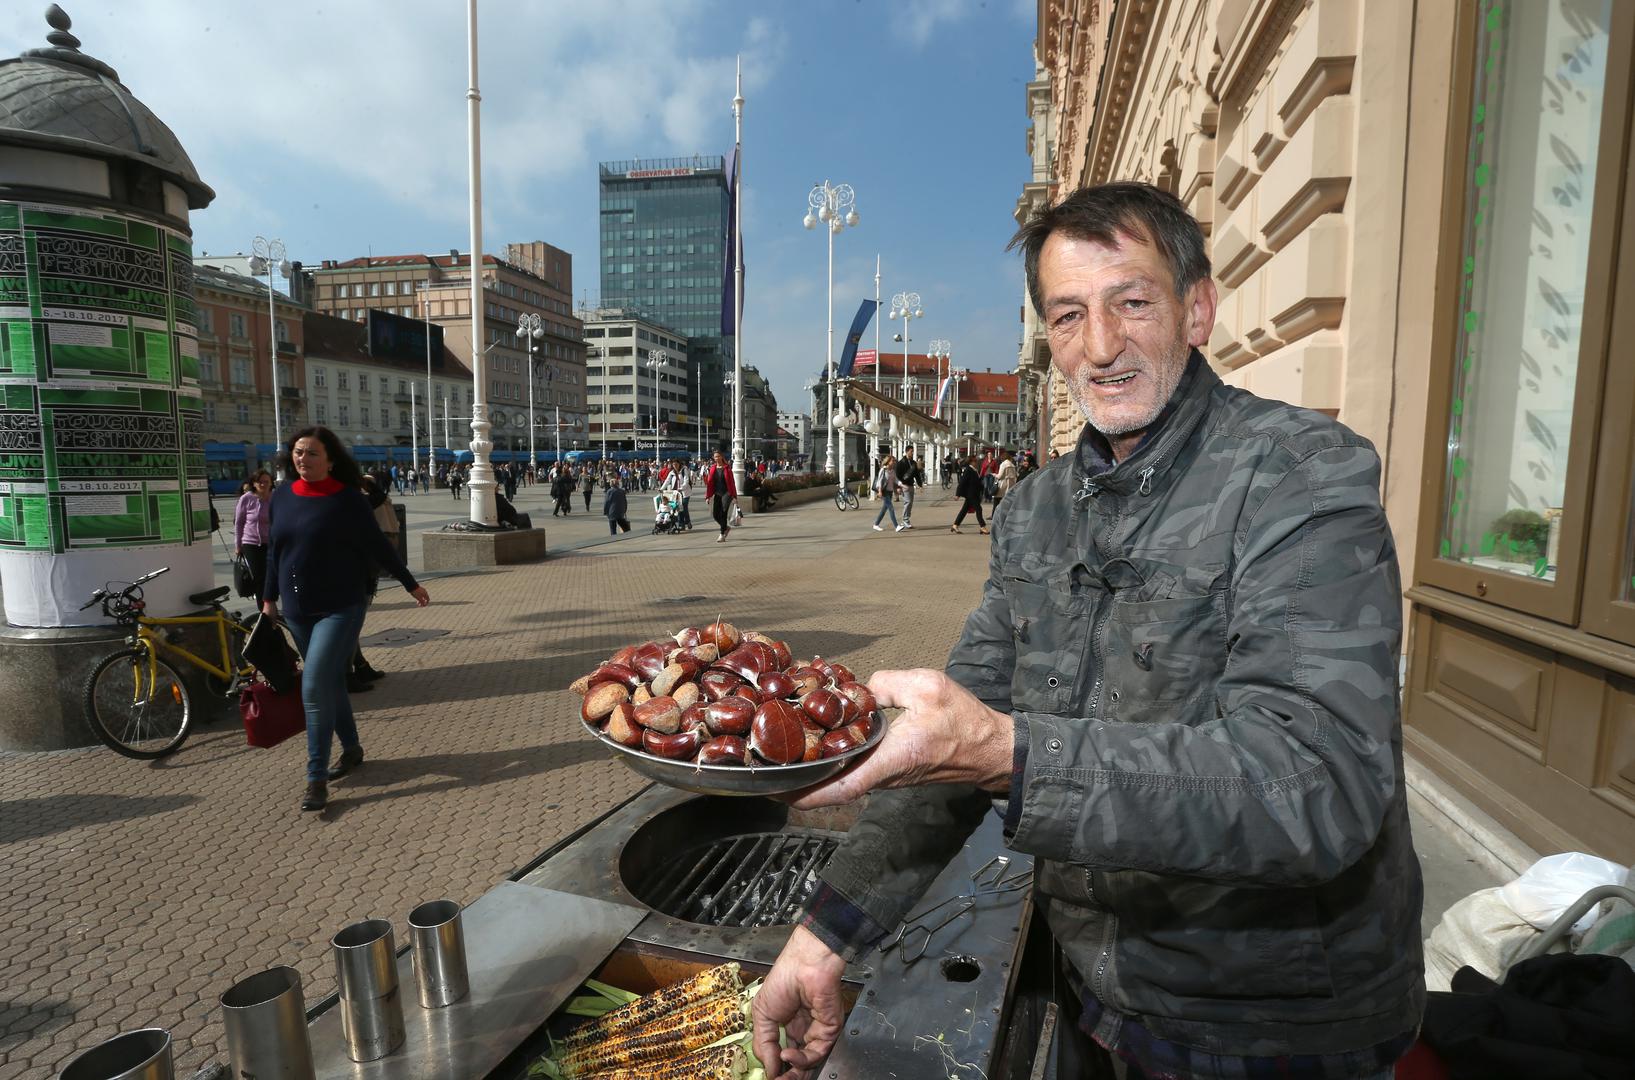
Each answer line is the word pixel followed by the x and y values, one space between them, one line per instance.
pixel 1319 196
pixel 1310 315
pixel 1245 58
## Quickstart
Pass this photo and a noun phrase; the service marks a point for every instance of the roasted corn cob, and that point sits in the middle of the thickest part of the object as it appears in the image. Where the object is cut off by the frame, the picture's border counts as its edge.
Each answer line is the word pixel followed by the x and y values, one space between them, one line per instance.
pixel 671 1035
pixel 722 979
pixel 713 1063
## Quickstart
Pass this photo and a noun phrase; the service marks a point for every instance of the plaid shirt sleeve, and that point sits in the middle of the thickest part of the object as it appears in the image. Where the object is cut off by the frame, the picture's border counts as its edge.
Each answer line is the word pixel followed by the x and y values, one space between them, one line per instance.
pixel 839 923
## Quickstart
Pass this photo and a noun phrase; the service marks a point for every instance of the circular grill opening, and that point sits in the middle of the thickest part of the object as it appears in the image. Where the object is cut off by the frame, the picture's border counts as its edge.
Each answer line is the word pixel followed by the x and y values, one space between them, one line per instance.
pixel 726 862
pixel 961 968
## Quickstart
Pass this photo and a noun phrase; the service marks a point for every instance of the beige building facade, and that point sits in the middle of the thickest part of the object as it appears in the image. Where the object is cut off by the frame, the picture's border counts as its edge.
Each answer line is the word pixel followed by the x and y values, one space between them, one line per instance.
pixel 1419 224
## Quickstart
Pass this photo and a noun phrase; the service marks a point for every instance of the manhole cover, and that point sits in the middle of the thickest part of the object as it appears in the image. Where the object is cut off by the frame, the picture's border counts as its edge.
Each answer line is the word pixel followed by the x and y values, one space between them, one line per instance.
pixel 681 600
pixel 397 637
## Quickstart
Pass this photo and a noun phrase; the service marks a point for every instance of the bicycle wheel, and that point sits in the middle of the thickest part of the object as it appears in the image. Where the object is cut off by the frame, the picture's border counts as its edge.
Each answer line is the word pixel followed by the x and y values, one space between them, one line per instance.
pixel 140 711
pixel 840 500
pixel 851 500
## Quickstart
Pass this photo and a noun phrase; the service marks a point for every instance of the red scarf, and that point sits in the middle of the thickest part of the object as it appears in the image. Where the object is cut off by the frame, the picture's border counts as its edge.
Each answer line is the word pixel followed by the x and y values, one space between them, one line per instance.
pixel 327 486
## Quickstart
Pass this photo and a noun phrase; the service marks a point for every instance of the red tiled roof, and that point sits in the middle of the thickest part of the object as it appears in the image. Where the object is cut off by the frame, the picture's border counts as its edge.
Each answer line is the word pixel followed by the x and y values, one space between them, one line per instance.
pixel 982 387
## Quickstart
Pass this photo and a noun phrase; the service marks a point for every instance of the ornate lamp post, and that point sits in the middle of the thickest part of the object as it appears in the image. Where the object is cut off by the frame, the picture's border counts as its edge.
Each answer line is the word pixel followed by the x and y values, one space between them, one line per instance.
pixel 530 329
pixel 268 258
pixel 906 306
pixel 834 206
pixel 655 362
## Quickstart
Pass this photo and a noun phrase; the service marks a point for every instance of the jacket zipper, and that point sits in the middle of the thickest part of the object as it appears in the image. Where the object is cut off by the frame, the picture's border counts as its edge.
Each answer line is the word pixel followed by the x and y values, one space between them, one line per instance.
pixel 1099 977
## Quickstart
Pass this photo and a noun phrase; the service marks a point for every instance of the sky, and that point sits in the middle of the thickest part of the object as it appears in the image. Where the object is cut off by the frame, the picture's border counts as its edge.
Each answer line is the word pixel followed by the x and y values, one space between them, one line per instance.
pixel 340 128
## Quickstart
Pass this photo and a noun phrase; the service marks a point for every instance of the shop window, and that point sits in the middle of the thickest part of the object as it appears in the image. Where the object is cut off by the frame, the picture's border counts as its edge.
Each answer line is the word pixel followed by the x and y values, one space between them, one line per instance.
pixel 1534 197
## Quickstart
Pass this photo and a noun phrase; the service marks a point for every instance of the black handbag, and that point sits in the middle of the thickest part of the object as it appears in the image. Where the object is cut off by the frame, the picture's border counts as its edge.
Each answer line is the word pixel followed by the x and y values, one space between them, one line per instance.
pixel 271 654
pixel 243 576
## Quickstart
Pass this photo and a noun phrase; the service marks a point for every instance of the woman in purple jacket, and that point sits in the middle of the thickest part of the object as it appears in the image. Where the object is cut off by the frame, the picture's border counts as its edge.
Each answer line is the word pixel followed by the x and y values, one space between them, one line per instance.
pixel 325 543
pixel 250 527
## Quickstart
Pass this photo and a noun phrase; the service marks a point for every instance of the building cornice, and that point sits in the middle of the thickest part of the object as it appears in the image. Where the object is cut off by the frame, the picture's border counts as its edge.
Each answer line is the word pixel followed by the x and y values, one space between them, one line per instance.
pixel 1132 23
pixel 1261 32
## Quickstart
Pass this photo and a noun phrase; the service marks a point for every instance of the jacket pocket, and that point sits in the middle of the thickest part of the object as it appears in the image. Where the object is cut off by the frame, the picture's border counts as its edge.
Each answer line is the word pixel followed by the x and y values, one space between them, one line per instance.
pixel 1049 630
pixel 1163 658
pixel 1200 939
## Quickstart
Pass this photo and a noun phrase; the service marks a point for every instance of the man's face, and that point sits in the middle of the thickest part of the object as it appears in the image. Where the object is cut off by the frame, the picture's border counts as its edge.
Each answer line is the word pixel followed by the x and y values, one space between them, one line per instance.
pixel 1118 333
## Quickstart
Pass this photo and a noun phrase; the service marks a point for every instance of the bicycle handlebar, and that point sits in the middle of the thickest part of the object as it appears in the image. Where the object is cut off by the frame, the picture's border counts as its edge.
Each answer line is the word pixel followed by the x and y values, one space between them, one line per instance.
pixel 103 594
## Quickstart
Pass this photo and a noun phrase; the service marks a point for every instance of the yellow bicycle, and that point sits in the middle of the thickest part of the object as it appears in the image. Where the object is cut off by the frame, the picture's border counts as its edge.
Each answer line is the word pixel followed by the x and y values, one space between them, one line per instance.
pixel 134 699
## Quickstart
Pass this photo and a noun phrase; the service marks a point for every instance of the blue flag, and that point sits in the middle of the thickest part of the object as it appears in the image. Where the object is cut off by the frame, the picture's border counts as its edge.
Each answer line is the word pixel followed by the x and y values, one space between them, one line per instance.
pixel 848 355
pixel 729 315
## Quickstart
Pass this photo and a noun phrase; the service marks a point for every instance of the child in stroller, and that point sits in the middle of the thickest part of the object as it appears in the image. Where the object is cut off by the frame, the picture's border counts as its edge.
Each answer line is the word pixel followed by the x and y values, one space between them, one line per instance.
pixel 667 512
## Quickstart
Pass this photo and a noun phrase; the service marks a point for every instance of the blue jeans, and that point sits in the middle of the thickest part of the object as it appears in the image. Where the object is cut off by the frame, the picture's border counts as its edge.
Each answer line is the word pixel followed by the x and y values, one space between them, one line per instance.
pixel 327 644
pixel 886 507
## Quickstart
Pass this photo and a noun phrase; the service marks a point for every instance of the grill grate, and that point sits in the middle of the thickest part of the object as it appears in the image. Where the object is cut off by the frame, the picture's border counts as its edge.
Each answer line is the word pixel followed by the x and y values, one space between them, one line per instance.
pixel 752 879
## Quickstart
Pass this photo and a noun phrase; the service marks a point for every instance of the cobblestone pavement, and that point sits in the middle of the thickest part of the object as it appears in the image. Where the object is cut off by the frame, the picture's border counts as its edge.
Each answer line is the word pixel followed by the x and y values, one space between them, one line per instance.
pixel 135 893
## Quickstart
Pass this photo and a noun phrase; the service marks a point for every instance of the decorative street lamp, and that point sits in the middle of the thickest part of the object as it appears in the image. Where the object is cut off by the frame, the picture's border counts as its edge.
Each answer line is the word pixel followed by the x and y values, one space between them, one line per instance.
pixel 655 362
pixel 834 206
pixel 905 306
pixel 530 329
pixel 269 259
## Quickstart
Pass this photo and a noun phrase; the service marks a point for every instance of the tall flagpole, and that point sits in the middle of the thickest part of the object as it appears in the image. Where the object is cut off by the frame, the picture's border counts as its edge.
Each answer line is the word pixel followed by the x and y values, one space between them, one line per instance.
pixel 484 512
pixel 738 283
pixel 877 324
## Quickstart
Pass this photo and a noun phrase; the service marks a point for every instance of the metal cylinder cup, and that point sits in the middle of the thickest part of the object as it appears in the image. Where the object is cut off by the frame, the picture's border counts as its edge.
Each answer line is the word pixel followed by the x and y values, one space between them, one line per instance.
pixel 266 1020
pixel 135 1055
pixel 371 1008
pixel 439 943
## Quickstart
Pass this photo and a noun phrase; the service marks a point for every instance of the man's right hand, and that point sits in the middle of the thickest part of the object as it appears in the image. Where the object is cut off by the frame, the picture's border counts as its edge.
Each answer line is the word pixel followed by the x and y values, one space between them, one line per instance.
pixel 269 608
pixel 802 993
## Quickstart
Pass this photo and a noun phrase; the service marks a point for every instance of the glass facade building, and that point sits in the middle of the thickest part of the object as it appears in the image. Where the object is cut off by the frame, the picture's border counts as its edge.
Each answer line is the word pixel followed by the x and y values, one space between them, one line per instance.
pixel 664 254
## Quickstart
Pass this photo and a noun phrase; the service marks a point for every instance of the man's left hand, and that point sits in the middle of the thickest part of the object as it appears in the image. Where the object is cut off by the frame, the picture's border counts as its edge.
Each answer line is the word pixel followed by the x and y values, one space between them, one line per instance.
pixel 943 736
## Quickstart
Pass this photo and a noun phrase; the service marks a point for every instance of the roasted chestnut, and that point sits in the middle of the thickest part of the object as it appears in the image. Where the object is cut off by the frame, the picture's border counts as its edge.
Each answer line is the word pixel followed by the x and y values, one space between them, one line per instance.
pixel 706 654
pixel 766 656
pixel 681 745
pixel 776 734
pixel 814 742
pixel 742 663
pixel 649 660
pixel 723 635
pixel 661 714
pixel 687 694
pixel 729 716
pixel 826 707
pixel 622 727
pixel 824 666
pixel 674 675
pixel 619 673
pixel 841 673
pixel 599 703
pixel 775 684
pixel 719 684
pixel 688 636
pixel 780 650
pixel 692 718
pixel 724 750
pixel 838 742
pixel 806 678
pixel 860 695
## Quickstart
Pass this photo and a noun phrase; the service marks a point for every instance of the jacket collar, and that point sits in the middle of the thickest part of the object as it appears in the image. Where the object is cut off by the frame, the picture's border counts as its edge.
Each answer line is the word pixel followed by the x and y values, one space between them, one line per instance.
pixel 1094 468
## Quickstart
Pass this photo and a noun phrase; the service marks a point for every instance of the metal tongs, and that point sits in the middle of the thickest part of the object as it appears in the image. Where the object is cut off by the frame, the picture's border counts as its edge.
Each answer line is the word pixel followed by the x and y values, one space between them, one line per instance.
pixel 913 938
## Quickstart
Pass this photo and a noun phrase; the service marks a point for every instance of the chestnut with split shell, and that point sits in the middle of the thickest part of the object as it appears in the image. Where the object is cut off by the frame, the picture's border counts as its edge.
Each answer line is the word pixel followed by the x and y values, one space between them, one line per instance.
pixel 839 741
pixel 687 694
pixel 806 679
pixel 679 746
pixel 724 750
pixel 723 635
pixel 649 660
pixel 776 734
pixel 693 718
pixel 688 636
pixel 859 695
pixel 730 716
pixel 671 677
pixel 743 663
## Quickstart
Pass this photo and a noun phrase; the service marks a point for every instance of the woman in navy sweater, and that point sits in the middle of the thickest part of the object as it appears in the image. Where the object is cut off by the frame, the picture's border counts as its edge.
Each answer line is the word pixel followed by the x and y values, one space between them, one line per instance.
pixel 324 546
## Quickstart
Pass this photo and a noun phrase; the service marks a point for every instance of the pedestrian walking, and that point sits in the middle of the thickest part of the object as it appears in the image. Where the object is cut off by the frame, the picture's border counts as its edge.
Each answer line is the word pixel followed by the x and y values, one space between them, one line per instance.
pixel 969 489
pixel 324 545
pixel 250 529
pixel 909 477
pixel 562 493
pixel 587 484
pixel 614 508
pixel 885 486
pixel 679 482
pixel 1005 478
pixel 720 489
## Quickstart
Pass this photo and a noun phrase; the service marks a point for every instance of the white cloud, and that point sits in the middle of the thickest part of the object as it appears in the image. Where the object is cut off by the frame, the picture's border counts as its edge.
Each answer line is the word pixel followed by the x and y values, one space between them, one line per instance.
pixel 917 20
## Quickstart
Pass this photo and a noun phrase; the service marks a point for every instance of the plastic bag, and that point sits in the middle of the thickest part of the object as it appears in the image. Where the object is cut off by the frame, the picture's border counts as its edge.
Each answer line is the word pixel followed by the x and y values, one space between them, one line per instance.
pixel 1551 885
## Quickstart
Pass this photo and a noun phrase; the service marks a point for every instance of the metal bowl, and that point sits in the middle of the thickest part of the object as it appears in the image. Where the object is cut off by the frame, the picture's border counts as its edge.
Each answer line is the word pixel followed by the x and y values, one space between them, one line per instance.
pixel 739 779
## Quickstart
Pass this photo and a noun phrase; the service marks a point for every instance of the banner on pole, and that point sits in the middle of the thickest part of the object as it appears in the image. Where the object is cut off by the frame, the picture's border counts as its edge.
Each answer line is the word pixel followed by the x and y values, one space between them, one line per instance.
pixel 848 355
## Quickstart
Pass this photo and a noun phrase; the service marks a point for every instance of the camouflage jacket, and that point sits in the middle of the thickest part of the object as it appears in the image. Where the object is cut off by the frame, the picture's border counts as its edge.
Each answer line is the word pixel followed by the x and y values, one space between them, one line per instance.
pixel 1199 649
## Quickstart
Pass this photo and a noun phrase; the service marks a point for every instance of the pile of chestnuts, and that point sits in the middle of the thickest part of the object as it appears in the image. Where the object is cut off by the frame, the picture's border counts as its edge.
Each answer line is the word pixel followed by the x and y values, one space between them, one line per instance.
pixel 715 696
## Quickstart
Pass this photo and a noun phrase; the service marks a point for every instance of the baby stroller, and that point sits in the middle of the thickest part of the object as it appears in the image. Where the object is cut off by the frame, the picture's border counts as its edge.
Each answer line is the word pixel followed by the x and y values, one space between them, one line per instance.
pixel 666 512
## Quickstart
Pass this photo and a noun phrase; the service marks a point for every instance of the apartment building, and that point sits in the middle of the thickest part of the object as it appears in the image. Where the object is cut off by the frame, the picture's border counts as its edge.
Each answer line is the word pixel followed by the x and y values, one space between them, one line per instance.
pixel 235 360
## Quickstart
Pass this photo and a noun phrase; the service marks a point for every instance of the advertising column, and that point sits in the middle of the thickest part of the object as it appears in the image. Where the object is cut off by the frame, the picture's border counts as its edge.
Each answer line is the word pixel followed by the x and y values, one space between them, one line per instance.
pixel 102 474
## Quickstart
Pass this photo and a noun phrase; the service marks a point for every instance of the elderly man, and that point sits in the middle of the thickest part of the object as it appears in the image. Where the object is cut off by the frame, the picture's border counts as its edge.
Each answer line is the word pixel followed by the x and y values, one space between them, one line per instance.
pixel 1181 680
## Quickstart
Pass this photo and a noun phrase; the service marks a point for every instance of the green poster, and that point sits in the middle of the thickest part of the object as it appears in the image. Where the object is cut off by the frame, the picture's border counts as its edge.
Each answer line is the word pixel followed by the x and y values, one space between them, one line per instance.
pixel 98 449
